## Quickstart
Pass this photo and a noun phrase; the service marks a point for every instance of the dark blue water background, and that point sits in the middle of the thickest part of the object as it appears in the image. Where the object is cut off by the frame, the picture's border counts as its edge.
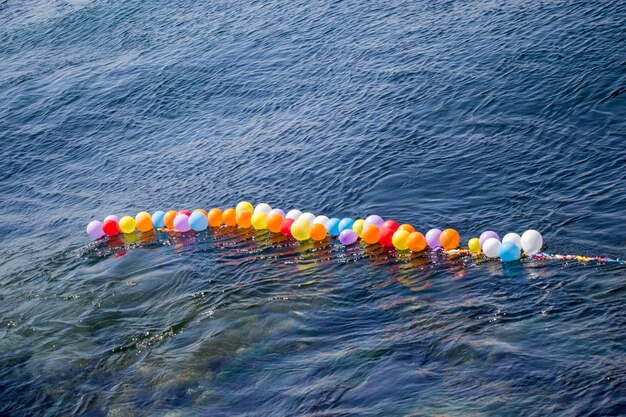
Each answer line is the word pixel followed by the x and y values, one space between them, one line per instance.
pixel 504 115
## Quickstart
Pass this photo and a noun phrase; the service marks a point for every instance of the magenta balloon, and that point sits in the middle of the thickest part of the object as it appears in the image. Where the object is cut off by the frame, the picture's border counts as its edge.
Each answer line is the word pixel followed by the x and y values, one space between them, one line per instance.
pixel 112 217
pixel 181 222
pixel 348 237
pixel 486 235
pixel 277 211
pixel 94 230
pixel 432 238
pixel 375 220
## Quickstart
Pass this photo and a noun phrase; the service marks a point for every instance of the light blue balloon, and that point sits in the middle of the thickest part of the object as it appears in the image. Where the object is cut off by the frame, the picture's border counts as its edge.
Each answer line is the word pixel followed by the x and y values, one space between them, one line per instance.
pixel 198 221
pixel 158 219
pixel 333 226
pixel 345 224
pixel 509 251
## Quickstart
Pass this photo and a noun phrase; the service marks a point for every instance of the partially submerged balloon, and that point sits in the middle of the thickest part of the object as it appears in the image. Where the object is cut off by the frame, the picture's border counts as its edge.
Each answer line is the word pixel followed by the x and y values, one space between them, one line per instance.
pixel 513 237
pixel 509 252
pixel 358 226
pixel 158 219
pixel 263 208
pixel 309 217
pixel 385 236
pixel 474 245
pixel 110 227
pixel 244 206
pixel 321 220
pixel 332 226
pixel 432 238
pixel 450 239
pixel 416 242
pixel 259 220
pixel 215 217
pixel 407 227
pixel 168 219
pixel 300 229
pixel 127 224
pixel 274 221
pixel 198 221
pixel 181 222
pixel 348 237
pixel 285 228
pixel 491 247
pixel 293 214
pixel 375 220
pixel 277 211
pixel 318 231
pixel 94 230
pixel 391 224
pixel 400 239
pixel 370 234
pixel 229 217
pixel 143 221
pixel 244 218
pixel 486 235
pixel 531 242
pixel 345 224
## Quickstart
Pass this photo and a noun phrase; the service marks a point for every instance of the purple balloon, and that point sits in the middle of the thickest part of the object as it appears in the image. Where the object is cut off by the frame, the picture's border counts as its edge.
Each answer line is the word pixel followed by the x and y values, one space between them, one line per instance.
pixel 94 230
pixel 375 220
pixel 277 211
pixel 432 238
pixel 348 237
pixel 486 235
pixel 112 217
pixel 181 222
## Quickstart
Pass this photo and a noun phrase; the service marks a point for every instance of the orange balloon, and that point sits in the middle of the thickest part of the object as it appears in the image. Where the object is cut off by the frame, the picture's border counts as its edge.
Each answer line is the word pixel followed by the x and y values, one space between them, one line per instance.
pixel 244 219
pixel 229 216
pixel 318 232
pixel 143 221
pixel 274 221
pixel 203 211
pixel 416 242
pixel 168 219
pixel 406 227
pixel 215 217
pixel 450 239
pixel 370 234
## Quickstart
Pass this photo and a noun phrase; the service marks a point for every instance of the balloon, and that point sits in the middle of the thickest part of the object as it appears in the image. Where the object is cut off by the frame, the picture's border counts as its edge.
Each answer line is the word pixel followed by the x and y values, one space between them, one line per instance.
pixel 300 229
pixel 474 245
pixel 94 230
pixel 244 206
pixel 370 233
pixel 215 217
pixel 491 247
pixel 181 222
pixel 318 231
pixel 407 227
pixel 375 220
pixel 449 239
pixel 509 251
pixel 486 235
pixel 321 220
pixel 332 226
pixel 309 217
pixel 157 219
pixel 263 208
pixel 277 211
pixel 203 211
pixel 244 218
pixel 400 239
pixel 513 237
pixel 112 217
pixel 345 224
pixel 274 221
pixel 198 221
pixel 358 226
pixel 168 219
pixel 416 242
pixel 432 238
pixel 391 224
pixel 110 227
pixel 348 237
pixel 229 217
pixel 385 235
pixel 293 214
pixel 259 220
pixel 143 221
pixel 285 228
pixel 185 212
pixel 531 242
pixel 127 224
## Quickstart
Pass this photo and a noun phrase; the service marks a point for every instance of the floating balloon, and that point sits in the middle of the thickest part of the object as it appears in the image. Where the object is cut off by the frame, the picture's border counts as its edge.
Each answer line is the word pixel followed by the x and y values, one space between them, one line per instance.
pixel 168 219
pixel 244 206
pixel 416 242
pixel 158 219
pixel 345 224
pixel 300 229
pixel 285 228
pixel 143 221
pixel 321 220
pixel 318 231
pixel 127 224
pixel 450 239
pixel 185 212
pixel 513 237
pixel 293 214
pixel 309 217
pixel 486 235
pixel 370 233
pixel 391 224
pixel 181 222
pixel 244 218
pixel 259 220
pixel 531 242
pixel 203 211
pixel 198 221
pixel 215 217
pixel 112 217
pixel 274 221
pixel 400 239
pixel 509 252
pixel 491 247
pixel 385 236
pixel 332 226
pixel 229 217
pixel 432 238
pixel 407 227
pixel 348 237
pixel 358 226
pixel 94 230
pixel 277 211
pixel 474 245
pixel 375 220
pixel 263 208
pixel 110 227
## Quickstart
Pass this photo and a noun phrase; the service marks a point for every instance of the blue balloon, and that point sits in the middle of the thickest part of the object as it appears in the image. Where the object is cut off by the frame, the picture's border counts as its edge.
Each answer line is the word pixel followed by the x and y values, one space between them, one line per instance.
pixel 509 251
pixel 345 224
pixel 333 226
pixel 158 219
pixel 198 221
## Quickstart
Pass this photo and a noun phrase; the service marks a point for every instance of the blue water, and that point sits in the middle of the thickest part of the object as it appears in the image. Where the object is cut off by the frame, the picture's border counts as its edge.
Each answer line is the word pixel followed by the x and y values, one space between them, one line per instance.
pixel 476 115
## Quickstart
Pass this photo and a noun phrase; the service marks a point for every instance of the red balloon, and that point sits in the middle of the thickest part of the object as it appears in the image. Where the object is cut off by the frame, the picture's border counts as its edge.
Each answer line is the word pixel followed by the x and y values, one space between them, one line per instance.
pixel 391 224
pixel 385 235
pixel 185 212
pixel 110 227
pixel 285 228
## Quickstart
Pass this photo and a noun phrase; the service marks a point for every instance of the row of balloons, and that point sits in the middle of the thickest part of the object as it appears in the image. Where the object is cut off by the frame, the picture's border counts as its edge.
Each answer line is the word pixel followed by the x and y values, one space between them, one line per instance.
pixel 305 226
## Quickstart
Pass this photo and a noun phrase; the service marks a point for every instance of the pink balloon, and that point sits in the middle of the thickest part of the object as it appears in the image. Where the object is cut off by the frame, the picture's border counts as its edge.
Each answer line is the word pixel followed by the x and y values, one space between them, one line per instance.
pixel 94 230
pixel 348 237
pixel 432 238
pixel 181 222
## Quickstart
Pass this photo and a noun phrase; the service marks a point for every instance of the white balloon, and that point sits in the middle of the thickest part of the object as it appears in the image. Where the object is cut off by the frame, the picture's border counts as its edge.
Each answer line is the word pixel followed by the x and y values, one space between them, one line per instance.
pixel 491 247
pixel 531 242
pixel 513 237
pixel 321 220
pixel 263 207
pixel 293 214
pixel 309 217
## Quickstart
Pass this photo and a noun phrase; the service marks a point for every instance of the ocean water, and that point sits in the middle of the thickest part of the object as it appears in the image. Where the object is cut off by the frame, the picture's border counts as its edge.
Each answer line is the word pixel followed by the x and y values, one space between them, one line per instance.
pixel 502 115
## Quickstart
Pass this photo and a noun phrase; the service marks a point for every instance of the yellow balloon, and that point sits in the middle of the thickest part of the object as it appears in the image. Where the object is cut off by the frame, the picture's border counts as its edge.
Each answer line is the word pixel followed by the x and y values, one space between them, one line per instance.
pixel 301 230
pixel 358 227
pixel 400 239
pixel 244 206
pixel 127 224
pixel 474 245
pixel 259 220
